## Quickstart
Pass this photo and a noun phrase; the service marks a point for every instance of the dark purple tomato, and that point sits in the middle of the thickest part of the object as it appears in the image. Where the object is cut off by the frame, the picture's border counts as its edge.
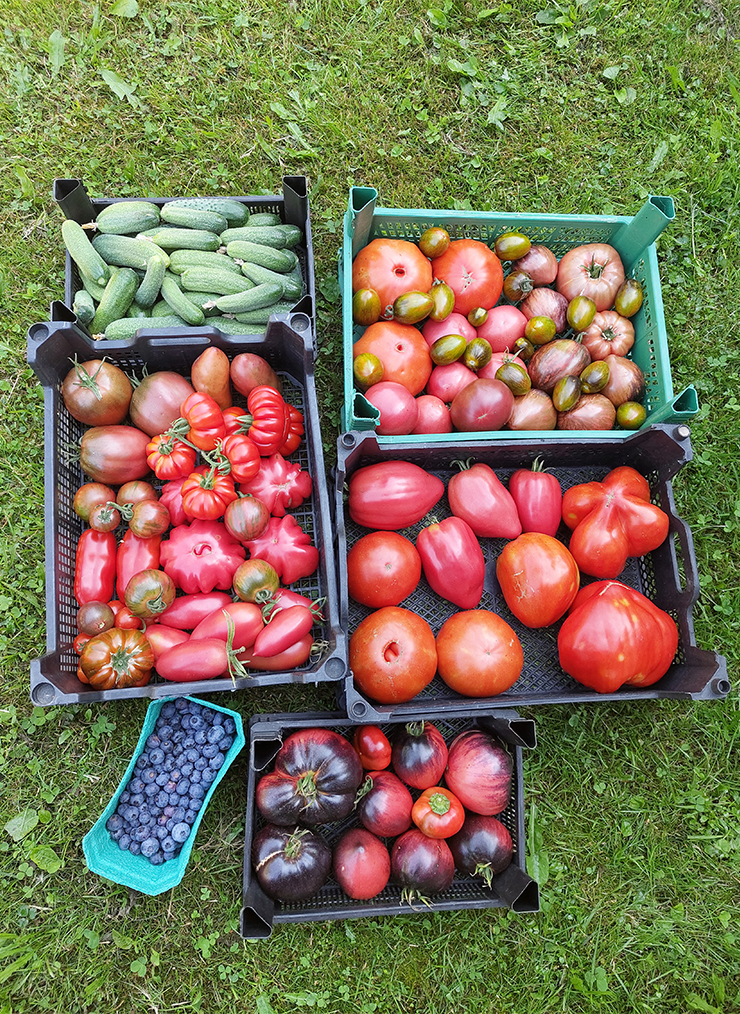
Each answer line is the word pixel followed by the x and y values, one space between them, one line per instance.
pixel 479 772
pixel 422 864
pixel 291 864
pixel 317 773
pixel 419 755
pixel 482 847
pixel 361 864
pixel 386 808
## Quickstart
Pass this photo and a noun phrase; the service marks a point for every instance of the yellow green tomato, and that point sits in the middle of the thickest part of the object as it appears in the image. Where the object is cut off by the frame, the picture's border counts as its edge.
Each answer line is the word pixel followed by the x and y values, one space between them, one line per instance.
pixel 367 370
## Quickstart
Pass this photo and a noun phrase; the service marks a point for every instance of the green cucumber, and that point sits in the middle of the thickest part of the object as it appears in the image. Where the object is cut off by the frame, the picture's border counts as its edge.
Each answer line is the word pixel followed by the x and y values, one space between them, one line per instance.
pixel 264 218
pixel 127 327
pixel 127 252
pixel 181 305
pixel 173 277
pixel 254 299
pixel 161 309
pixel 127 217
pixel 292 288
pixel 95 290
pixel 293 235
pixel 194 218
pixel 87 258
pixel 234 212
pixel 182 259
pixel 267 235
pixel 231 326
pixel 117 298
pixel 148 290
pixel 206 301
pixel 266 256
pixel 138 311
pixel 210 280
pixel 172 238
pixel 262 315
pixel 83 306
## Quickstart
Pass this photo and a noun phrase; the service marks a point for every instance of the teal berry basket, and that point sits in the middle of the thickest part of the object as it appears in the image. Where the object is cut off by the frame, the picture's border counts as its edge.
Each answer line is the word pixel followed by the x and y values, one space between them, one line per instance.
pixel 634 239
pixel 102 854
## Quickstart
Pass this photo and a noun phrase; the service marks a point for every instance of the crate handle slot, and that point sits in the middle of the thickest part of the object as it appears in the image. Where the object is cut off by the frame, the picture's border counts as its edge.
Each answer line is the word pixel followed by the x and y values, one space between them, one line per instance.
pixel 295 195
pixel 633 238
pixel 257 914
pixel 511 728
pixel 362 201
pixel 517 890
pixel 73 200
pixel 680 408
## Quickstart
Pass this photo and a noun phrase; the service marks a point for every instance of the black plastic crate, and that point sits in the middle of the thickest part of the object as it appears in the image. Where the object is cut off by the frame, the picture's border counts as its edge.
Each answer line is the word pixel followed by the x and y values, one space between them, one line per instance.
pixel 668 576
pixel 513 888
pixel 51 347
pixel 292 207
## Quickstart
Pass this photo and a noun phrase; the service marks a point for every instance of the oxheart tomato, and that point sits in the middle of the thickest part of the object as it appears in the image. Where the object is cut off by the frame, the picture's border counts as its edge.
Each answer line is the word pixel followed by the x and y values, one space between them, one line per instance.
pixel 479 655
pixel 594 270
pixel 392 655
pixel 479 772
pixel 402 351
pixel 383 568
pixel 538 578
pixel 614 635
pixel 391 495
pixel 361 864
pixel 473 272
pixel 538 498
pixel 391 267
pixel 478 496
pixel 453 561
pixel 611 521
pixel 385 808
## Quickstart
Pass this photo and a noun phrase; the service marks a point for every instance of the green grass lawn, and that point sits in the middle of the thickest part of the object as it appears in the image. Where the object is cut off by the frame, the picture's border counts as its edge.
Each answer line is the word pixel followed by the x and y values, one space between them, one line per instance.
pixel 633 809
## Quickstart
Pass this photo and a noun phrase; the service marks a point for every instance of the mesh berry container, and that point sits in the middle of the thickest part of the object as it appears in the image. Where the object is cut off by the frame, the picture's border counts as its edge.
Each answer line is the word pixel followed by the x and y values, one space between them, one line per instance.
pixel 51 347
pixel 292 207
pixel 668 576
pixel 632 237
pixel 513 888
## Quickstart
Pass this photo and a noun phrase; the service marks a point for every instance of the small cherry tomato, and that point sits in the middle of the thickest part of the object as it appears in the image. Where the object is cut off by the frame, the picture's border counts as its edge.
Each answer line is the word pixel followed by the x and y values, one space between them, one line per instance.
pixel 631 415
pixel 149 517
pixel 94 618
pixel 540 330
pixel 628 299
pixel 434 242
pixel 89 495
pixel 478 316
pixel 372 745
pixel 366 307
pixel 438 813
pixel 580 313
pixel 104 517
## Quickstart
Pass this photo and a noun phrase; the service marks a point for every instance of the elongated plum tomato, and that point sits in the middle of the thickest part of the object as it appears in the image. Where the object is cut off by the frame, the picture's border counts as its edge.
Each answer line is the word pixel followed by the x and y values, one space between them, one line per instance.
pixel 391 267
pixel 194 659
pixel 392 655
pixel 538 578
pixel 538 498
pixel 479 655
pixel 162 638
pixel 398 410
pixel 401 349
pixel 473 272
pixel 383 568
pixel 479 772
pixel 433 417
pixel 361 864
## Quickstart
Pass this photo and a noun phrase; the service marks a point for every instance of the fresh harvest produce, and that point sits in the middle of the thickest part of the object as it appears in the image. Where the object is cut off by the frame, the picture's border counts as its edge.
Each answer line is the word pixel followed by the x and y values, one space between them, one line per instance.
pixel 287 548
pixel 481 405
pixel 95 617
pixel 479 655
pixel 594 270
pixel 361 864
pixel 399 411
pixel 187 611
pixel 385 808
pixel 438 813
pixel 290 864
pixel 420 864
pixel 538 498
pixel 279 484
pixel 538 577
pixel 473 272
pixel 196 659
pixel 95 566
pixel 453 561
pixel 201 556
pixel 116 659
pixel 477 495
pixel 402 351
pixel 615 636
pixel 372 747
pixel 284 628
pixel 155 403
pixel 611 521
pixel 479 772
pixel 391 267
pixel 393 655
pixel 149 593
pixel 383 568
pixel 97 393
pixel 419 754
pixel 482 848
pixel 392 495
pixel 114 454
pixel 154 819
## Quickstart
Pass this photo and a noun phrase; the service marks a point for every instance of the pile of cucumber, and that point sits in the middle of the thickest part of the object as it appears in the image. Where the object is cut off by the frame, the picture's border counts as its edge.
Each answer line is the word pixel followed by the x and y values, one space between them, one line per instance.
pixel 189 262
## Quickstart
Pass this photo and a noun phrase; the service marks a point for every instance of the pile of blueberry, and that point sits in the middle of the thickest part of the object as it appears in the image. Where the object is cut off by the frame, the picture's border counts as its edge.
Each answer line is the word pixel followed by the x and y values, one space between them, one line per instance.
pixel 182 756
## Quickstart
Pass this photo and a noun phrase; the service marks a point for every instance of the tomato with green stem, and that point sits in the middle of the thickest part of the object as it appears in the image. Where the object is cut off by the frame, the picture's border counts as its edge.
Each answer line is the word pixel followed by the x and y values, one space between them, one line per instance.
pixel 438 813
pixel 149 593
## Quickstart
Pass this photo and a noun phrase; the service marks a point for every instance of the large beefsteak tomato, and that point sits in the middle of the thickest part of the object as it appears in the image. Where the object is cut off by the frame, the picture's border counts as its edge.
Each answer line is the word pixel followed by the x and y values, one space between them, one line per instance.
pixel 393 655
pixel 479 655
pixel 391 267
pixel 402 351
pixel 473 272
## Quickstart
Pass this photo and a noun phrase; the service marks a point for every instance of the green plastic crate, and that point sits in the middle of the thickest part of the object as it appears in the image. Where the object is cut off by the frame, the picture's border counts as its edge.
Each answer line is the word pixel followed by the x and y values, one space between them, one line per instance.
pixel 634 238
pixel 103 855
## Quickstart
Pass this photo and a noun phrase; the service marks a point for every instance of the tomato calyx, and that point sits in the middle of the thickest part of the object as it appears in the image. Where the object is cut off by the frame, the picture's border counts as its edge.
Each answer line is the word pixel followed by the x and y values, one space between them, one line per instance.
pixel 409 895
pixel 485 871
pixel 415 728
pixel 120 659
pixel 306 787
pixel 438 803
pixel 363 790
pixel 84 379
pixel 294 844
pixel 595 270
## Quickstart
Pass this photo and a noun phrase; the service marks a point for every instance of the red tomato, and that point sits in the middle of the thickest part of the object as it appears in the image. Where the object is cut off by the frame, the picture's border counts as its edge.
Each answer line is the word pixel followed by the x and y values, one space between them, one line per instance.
pixel 453 561
pixel 383 568
pixel 247 619
pixel 434 415
pixel 187 611
pixel 392 655
pixel 297 654
pixel 402 351
pixel 419 755
pixel 361 864
pixel 438 813
pixel 538 579
pixel 194 660
pixel 478 496
pixel 613 636
pixel 285 628
pixel 482 405
pixel 385 808
pixel 479 654
pixel 538 498
pixel 502 328
pixel 162 638
pixel 392 494
pixel 372 745
pixel 594 270
pixel 391 267
pixel 399 411
pixel 473 272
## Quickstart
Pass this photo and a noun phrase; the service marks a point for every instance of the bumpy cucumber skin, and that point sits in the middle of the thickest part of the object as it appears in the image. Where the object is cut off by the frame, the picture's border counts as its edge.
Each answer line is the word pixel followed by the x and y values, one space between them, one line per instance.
pixel 261 295
pixel 138 311
pixel 127 252
pixel 267 235
pixel 194 218
pixel 266 256
pixel 84 253
pixel 146 294
pixel 263 315
pixel 293 235
pixel 180 260
pixel 264 218
pixel 83 306
pixel 206 301
pixel 234 212
pixel 172 238
pixel 207 280
pixel 95 290
pixel 231 326
pixel 117 298
pixel 127 217
pixel 292 288
pixel 127 327
pixel 181 305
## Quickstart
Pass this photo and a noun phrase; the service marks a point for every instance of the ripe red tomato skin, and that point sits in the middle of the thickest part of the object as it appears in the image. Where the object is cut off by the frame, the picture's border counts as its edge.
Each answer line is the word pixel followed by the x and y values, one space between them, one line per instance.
pixel 615 636
pixel 392 655
pixel 453 561
pixel 432 823
pixel 372 747
pixel 479 497
pixel 135 554
pixel 419 754
pixel 386 809
pixel 392 495
pixel 538 578
pixel 95 566
pixel 247 619
pixel 433 415
pixel 479 772
pixel 479 655
pixel 285 627
pixel 538 498
pixel 162 638
pixel 296 655
pixel 467 259
pixel 187 611
pixel 193 660
pixel 402 350
pixel 398 409
pixel 361 864
pixel 391 267
pixel 383 568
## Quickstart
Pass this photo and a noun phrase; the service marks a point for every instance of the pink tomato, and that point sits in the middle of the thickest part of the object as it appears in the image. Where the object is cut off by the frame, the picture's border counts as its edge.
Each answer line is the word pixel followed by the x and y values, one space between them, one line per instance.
pixel 502 328
pixel 447 381
pixel 434 415
pixel 455 323
pixel 488 372
pixel 397 407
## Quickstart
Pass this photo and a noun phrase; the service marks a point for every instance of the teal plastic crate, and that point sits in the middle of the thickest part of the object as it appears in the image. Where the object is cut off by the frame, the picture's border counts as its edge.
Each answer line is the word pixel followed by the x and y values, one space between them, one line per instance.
pixel 103 855
pixel 633 237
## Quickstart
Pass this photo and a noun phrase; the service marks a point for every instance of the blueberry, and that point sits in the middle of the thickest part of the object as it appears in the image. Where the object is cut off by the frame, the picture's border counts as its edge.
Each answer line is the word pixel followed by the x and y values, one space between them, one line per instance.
pixel 202 762
pixel 229 725
pixel 152 741
pixel 179 814
pixel 115 835
pixel 186 769
pixel 160 833
pixel 178 736
pixel 181 832
pixel 167 746
pixel 189 742
pixel 181 704
pixel 191 755
pixel 141 761
pixel 183 786
pixel 196 722
pixel 190 816
pixel 141 833
pixel 200 737
pixel 124 797
pixel 165 731
pixel 210 750
pixel 124 841
pixel 197 777
pixel 162 779
pixel 216 762
pixel 169 855
pixel 171 823
pixel 162 820
pixel 156 756
pixel 218 718
pixel 168 810
pixel 151 790
pixel 168 710
pixel 169 844
pixel 169 763
pixel 215 734
pixel 175 798
pixel 225 743
pixel 162 798
pixel 136 785
pixel 137 799
pixel 157 859
pixel 135 848
pixel 197 792
pixel 209 775
pixel 114 822
pixel 149 846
